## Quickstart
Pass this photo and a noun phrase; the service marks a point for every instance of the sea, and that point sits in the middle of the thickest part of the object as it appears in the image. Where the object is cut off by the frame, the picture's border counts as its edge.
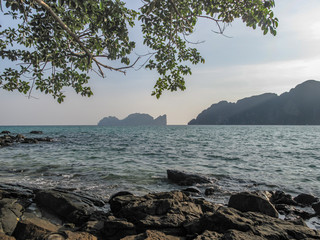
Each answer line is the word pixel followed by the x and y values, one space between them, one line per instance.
pixel 105 160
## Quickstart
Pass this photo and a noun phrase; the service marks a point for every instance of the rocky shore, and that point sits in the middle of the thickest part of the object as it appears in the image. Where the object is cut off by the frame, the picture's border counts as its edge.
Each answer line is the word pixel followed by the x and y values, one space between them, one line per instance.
pixel 32 213
pixel 7 139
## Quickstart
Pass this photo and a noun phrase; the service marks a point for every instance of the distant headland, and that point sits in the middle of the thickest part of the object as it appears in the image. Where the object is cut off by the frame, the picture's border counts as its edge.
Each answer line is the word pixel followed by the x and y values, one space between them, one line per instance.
pixel 135 119
pixel 299 106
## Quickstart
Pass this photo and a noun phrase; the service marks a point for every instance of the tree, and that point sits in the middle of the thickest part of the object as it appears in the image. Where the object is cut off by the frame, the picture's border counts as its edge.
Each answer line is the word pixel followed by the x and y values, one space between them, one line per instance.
pixel 57 43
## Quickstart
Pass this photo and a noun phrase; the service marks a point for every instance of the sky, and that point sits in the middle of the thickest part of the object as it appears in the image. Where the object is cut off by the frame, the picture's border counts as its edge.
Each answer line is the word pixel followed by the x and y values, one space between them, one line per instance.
pixel 246 63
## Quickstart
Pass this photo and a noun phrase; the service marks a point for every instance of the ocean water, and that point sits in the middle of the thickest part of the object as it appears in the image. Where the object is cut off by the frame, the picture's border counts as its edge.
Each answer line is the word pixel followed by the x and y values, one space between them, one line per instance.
pixel 105 160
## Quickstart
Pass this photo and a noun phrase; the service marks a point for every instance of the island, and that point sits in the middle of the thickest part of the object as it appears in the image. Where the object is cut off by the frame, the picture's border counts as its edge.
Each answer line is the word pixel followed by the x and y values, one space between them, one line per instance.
pixel 135 119
pixel 299 106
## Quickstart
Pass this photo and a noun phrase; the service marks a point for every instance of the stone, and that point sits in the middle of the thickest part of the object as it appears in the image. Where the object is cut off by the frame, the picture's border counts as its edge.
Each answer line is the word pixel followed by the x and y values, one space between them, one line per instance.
pixel 32 227
pixel 209 191
pixel 10 213
pixel 316 208
pixel 234 224
pixel 68 206
pixel 115 228
pixel 252 202
pixel 186 179
pixel 163 211
pixel 192 191
pixel 5 132
pixel 36 132
pixel 280 197
pixel 152 235
pixel 306 199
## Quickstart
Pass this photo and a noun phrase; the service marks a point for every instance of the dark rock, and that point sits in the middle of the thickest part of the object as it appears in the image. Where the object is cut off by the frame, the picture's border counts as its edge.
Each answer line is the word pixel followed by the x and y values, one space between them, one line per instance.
pixel 32 227
pixel 233 223
pixel 163 211
pixel 10 213
pixel 252 202
pixel 5 132
pixel 280 197
pixel 36 132
pixel 316 208
pixel 192 190
pixel 122 193
pixel 115 228
pixel 152 235
pixel 22 193
pixel 306 199
pixel 68 206
pixel 209 191
pixel 29 140
pixel 186 179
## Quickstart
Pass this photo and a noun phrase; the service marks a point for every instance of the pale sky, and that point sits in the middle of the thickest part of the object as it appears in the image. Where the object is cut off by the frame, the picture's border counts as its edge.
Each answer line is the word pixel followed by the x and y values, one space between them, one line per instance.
pixel 247 64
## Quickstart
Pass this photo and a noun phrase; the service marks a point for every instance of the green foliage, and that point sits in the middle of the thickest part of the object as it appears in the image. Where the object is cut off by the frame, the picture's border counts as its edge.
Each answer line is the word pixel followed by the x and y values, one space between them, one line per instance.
pixel 56 46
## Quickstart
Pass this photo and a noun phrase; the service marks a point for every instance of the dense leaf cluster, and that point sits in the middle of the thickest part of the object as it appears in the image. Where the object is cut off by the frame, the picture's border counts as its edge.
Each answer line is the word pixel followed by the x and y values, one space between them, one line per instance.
pixel 55 44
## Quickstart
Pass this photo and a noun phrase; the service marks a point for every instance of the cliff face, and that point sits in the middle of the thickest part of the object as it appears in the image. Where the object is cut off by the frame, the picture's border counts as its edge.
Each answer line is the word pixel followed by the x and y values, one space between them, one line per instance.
pixel 135 119
pixel 299 106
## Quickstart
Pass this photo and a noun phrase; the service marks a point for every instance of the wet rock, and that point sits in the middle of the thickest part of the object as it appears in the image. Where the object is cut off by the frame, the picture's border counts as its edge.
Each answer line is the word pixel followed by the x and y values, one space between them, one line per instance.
pixel 93 227
pixel 252 202
pixel 115 228
pixel 306 199
pixel 186 179
pixel 280 197
pixel 209 191
pixel 249 225
pixel 152 235
pixel 5 132
pixel 32 227
pixel 22 193
pixel 68 206
pixel 10 213
pixel 29 140
pixel 165 211
pixel 36 132
pixel 316 208
pixel 193 191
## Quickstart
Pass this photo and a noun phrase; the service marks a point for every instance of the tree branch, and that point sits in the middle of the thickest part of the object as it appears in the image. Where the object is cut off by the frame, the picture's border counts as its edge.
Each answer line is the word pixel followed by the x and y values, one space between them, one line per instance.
pixel 75 38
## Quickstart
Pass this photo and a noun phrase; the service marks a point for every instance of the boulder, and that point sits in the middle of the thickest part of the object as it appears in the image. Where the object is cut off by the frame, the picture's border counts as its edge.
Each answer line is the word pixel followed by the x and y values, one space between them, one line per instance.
pixel 252 202
pixel 316 208
pixel 163 211
pixel 32 227
pixel 68 206
pixel 152 235
pixel 10 213
pixel 115 228
pixel 36 132
pixel 5 132
pixel 234 224
pixel 306 199
pixel 280 197
pixel 186 179
pixel 209 191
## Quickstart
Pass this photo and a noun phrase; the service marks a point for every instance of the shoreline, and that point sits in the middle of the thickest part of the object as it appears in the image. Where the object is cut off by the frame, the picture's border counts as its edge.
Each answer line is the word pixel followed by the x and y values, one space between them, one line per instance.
pixel 34 213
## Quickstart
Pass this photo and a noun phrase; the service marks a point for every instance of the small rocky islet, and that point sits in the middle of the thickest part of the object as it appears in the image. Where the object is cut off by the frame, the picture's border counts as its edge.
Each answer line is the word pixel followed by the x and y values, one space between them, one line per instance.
pixel 7 139
pixel 33 213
